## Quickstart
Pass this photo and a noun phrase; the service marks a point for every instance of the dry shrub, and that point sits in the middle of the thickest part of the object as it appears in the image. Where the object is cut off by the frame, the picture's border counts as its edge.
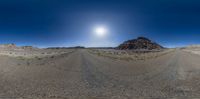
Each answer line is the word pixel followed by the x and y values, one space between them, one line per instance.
pixel 129 55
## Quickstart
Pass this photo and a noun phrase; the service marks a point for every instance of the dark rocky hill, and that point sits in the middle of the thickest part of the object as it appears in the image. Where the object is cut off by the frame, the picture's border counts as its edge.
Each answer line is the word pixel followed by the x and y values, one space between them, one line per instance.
pixel 140 43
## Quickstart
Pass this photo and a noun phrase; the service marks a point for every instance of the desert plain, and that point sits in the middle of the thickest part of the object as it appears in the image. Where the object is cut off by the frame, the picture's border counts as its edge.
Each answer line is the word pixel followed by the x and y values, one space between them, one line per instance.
pixel 99 74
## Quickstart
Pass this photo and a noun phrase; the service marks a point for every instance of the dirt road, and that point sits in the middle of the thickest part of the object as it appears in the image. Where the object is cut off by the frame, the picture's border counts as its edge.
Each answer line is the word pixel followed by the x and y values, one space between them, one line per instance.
pixel 86 76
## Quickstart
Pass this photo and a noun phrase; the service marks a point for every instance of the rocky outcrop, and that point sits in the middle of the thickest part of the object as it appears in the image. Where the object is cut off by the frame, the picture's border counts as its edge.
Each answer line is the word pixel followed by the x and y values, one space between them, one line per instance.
pixel 14 47
pixel 139 43
pixel 8 46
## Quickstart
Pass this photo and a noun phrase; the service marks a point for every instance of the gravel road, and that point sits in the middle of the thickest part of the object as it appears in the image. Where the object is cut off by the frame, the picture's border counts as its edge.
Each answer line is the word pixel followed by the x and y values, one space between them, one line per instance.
pixel 82 75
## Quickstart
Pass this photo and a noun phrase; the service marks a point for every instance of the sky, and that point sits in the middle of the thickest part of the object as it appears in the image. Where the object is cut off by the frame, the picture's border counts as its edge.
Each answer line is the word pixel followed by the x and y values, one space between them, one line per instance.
pixel 49 23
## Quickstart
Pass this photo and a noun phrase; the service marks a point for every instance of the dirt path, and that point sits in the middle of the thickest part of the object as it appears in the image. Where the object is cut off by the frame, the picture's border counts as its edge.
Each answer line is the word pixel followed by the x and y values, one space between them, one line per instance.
pixel 84 75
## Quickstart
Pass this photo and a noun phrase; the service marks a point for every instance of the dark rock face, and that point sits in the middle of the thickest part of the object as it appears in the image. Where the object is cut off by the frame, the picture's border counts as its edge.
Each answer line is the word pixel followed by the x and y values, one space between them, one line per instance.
pixel 140 43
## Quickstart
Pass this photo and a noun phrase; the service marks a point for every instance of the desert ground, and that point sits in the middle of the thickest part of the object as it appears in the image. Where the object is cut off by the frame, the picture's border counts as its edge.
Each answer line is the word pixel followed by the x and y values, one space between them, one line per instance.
pixel 99 74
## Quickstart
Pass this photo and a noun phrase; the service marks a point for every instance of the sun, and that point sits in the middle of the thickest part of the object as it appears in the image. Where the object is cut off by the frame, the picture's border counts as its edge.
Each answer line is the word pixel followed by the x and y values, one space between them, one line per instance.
pixel 100 31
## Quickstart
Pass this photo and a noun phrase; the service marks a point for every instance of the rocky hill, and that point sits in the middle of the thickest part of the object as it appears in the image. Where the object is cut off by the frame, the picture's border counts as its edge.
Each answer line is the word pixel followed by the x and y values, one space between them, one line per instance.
pixel 14 47
pixel 140 43
pixel 8 46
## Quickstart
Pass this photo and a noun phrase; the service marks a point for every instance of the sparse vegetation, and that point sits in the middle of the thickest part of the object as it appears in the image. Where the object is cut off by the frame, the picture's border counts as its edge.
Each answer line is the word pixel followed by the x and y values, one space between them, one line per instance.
pixel 38 58
pixel 28 63
pixel 52 56
pixel 21 58
pixel 129 55
pixel 194 49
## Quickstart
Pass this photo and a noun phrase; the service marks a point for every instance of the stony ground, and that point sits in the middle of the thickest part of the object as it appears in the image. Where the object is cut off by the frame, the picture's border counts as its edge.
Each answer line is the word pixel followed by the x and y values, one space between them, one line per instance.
pixel 82 75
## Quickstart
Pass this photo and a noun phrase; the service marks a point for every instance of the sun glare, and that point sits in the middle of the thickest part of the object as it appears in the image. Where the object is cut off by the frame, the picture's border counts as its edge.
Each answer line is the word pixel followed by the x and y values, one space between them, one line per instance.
pixel 100 31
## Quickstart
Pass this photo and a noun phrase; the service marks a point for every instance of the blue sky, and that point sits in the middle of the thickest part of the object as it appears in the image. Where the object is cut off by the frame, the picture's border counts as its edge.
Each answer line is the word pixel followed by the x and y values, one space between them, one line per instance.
pixel 45 23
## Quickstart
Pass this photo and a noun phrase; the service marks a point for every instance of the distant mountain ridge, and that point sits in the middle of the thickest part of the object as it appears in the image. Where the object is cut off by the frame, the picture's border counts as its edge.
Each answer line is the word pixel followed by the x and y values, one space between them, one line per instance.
pixel 140 43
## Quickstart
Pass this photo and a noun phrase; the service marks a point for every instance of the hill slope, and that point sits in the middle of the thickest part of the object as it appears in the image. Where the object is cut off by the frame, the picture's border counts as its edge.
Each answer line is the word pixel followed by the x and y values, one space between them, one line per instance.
pixel 140 43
